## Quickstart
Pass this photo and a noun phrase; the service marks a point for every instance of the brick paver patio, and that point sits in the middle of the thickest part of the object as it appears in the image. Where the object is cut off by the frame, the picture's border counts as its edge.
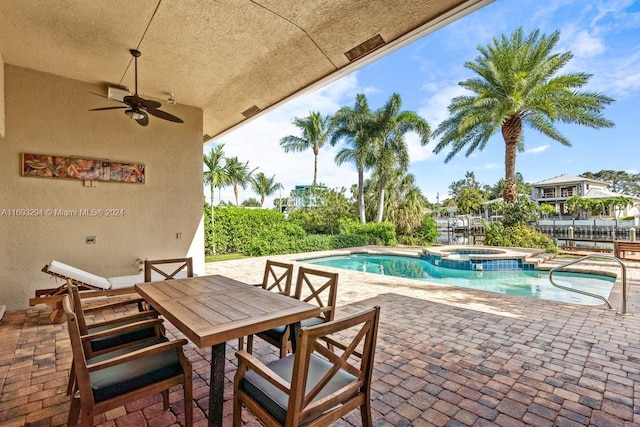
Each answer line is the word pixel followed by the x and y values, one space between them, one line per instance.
pixel 445 356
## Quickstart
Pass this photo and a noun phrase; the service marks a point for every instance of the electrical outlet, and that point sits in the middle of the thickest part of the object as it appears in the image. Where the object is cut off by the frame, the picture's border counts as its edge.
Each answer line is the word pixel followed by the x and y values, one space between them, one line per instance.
pixel 90 240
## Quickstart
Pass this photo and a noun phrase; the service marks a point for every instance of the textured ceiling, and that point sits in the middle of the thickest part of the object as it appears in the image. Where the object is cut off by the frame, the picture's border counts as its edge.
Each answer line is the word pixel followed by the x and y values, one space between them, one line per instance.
pixel 227 57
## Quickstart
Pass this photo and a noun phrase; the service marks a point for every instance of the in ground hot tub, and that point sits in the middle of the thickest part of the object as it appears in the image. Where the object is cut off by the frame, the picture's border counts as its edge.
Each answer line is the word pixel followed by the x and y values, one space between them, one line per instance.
pixel 479 258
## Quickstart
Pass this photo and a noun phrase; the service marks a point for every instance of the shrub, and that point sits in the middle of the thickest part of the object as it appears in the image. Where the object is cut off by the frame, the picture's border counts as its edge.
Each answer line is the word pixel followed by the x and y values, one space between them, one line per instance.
pixel 427 233
pixel 497 234
pixel 330 206
pixel 208 231
pixel 311 220
pixel 235 227
pixel 382 233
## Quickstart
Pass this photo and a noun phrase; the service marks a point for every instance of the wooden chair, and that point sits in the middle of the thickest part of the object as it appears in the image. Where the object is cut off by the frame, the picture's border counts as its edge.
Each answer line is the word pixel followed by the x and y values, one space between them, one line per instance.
pixel 312 286
pixel 105 383
pixel 138 329
pixel 176 269
pixel 277 277
pixel 316 386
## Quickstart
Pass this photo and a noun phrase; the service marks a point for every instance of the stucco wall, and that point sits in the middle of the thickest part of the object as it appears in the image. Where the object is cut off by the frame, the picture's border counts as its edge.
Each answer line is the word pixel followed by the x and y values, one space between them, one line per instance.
pixel 2 119
pixel 48 114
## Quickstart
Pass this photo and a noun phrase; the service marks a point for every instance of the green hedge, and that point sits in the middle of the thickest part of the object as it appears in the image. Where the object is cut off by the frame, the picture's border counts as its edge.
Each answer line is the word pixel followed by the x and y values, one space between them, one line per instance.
pixel 382 233
pixel 260 232
pixel 497 234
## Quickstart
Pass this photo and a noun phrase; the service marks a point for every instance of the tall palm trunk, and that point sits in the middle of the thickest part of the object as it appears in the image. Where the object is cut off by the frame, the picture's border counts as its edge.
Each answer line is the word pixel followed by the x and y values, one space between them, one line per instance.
pixel 511 130
pixel 380 201
pixel 363 218
pixel 315 166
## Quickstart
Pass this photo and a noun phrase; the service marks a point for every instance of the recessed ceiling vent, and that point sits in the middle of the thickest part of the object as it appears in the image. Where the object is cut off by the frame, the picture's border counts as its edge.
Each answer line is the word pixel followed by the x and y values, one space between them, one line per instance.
pixel 364 48
pixel 252 111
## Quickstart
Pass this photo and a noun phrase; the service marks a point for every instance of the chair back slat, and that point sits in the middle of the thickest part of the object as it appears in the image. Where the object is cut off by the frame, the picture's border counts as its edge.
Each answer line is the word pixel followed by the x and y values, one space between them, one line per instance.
pixel 278 277
pixel 318 287
pixel 160 266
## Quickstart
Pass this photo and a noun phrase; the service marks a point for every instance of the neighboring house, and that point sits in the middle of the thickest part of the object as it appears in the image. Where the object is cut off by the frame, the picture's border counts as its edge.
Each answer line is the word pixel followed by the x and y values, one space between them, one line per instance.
pixel 302 197
pixel 556 191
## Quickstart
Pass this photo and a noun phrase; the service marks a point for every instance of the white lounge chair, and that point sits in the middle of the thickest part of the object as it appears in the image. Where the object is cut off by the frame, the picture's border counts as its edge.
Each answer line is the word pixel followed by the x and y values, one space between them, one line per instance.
pixel 93 285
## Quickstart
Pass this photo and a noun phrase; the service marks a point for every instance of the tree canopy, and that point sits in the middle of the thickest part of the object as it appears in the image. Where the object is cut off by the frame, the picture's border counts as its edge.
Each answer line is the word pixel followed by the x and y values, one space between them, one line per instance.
pixel 518 83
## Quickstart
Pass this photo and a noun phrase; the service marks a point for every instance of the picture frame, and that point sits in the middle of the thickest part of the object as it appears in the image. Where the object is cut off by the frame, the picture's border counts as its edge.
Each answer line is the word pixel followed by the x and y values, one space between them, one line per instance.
pixel 81 168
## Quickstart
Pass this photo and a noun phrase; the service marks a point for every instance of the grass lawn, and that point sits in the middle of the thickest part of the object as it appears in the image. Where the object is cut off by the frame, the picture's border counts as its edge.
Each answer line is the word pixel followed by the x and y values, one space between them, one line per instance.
pixel 225 257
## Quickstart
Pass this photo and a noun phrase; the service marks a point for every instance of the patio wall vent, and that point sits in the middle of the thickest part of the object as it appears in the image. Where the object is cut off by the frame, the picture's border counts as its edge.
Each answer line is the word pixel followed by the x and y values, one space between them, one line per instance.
pixel 252 111
pixel 364 48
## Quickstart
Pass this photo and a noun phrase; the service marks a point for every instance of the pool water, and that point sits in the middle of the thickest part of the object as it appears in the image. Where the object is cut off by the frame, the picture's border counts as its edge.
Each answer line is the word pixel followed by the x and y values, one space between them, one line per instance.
pixel 527 283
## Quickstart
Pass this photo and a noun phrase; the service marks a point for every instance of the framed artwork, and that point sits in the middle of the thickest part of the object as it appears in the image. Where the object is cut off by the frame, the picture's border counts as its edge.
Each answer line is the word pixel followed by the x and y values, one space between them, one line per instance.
pixel 81 168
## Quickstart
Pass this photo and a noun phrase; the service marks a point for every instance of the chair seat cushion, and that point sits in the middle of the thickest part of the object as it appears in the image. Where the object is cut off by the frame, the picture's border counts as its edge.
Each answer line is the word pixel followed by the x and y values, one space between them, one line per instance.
pixel 274 400
pixel 82 276
pixel 125 350
pixel 278 331
pixel 123 378
pixel 99 344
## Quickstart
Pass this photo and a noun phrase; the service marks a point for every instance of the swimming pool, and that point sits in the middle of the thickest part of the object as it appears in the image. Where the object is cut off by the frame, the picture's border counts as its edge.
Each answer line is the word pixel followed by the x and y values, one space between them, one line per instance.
pixel 521 282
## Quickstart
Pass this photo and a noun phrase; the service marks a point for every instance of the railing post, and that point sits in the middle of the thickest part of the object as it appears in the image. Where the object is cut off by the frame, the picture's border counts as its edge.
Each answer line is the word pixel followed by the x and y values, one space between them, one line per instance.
pixel 570 240
pixel 632 234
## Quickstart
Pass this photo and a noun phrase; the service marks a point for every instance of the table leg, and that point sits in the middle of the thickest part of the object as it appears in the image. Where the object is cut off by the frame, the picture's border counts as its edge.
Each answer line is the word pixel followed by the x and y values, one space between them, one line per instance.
pixel 294 330
pixel 216 381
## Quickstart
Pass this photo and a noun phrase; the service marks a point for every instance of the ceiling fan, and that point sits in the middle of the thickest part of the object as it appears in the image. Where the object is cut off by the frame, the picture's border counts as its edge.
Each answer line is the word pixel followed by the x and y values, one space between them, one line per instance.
pixel 136 107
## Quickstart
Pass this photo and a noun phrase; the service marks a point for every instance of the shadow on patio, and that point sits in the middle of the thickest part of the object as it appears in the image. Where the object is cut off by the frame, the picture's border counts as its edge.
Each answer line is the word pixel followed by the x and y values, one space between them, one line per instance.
pixel 445 356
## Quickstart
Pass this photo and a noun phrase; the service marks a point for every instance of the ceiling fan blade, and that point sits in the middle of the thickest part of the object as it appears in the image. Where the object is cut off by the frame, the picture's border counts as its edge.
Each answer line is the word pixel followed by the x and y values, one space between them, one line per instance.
pixel 164 115
pixel 144 121
pixel 149 104
pixel 108 108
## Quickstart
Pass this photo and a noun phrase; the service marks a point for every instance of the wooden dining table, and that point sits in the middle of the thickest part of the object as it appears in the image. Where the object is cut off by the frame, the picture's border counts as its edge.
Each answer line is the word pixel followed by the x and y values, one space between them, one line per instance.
pixel 211 310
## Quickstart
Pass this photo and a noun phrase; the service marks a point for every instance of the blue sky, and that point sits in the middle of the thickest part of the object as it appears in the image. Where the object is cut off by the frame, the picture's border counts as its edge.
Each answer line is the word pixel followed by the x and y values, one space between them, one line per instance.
pixel 604 37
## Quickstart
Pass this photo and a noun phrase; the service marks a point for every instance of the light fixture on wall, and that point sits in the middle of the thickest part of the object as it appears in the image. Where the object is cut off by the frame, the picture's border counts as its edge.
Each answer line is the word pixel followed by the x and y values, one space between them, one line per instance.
pixel 171 100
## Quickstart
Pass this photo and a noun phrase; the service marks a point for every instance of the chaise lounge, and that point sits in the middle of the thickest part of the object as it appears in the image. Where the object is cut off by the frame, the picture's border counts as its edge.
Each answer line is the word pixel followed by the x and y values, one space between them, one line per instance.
pixel 93 285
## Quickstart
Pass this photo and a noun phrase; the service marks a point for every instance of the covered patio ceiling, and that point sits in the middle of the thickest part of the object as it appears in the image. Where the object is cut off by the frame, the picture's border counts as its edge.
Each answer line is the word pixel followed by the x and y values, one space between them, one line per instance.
pixel 234 59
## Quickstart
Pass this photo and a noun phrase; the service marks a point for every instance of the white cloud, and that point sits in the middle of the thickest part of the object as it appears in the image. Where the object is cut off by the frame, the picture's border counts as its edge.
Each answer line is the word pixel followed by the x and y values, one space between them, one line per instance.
pixel 258 142
pixel 490 166
pixel 418 152
pixel 586 45
pixel 437 100
pixel 538 149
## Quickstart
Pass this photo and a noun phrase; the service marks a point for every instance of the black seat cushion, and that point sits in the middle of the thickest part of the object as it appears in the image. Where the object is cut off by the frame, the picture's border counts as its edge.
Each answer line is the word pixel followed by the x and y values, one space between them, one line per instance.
pixel 274 400
pixel 278 331
pixel 125 350
pixel 135 374
pixel 104 343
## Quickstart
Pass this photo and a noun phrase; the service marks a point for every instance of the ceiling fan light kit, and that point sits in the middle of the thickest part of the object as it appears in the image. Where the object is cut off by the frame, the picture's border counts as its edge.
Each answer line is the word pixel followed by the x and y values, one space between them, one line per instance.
pixel 135 115
pixel 136 107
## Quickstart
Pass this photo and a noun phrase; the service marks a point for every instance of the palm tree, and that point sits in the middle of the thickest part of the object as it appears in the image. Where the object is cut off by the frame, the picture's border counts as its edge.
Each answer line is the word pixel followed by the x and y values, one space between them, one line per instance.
pixel 239 175
pixel 216 175
pixel 406 205
pixel 388 130
pixel 315 132
pixel 353 125
pixel 264 186
pixel 517 84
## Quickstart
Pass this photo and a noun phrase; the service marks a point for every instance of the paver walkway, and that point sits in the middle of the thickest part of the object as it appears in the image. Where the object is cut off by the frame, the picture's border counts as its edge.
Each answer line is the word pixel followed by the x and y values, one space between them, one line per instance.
pixel 446 356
